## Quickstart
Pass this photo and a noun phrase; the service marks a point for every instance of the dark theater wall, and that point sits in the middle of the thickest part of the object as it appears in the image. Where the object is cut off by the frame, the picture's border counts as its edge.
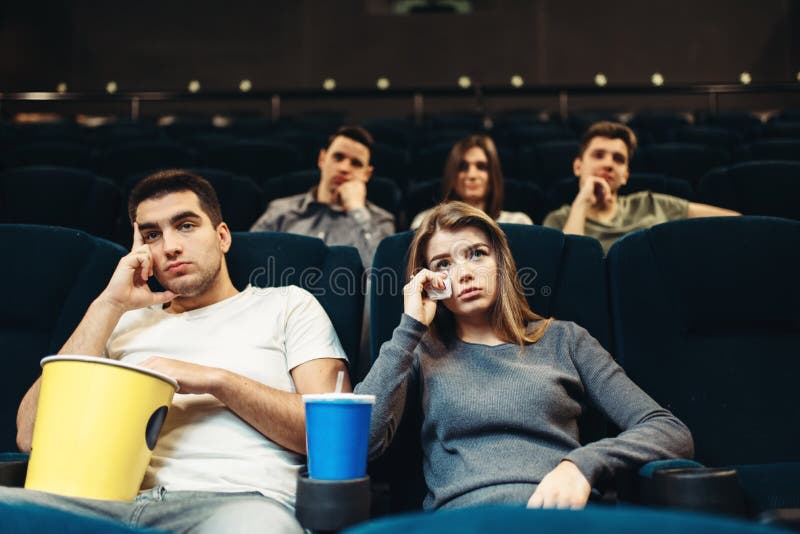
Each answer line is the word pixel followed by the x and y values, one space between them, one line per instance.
pixel 280 44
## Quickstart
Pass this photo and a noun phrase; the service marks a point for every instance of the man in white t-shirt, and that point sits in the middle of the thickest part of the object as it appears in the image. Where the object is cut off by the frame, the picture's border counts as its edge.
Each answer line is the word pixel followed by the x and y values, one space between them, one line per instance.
pixel 231 447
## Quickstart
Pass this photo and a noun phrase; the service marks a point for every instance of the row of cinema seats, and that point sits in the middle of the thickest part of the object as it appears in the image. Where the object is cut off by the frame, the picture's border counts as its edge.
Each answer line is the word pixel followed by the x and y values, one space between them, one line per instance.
pixel 701 313
pixel 540 163
pixel 80 199
pixel 531 150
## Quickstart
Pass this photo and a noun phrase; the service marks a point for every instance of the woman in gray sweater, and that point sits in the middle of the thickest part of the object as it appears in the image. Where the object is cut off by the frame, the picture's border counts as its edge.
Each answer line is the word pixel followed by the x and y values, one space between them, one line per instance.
pixel 502 387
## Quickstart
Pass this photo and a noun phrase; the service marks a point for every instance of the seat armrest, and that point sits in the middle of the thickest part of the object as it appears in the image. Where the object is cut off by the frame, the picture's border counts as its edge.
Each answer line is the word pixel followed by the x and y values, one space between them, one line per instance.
pixel 13 467
pixel 781 517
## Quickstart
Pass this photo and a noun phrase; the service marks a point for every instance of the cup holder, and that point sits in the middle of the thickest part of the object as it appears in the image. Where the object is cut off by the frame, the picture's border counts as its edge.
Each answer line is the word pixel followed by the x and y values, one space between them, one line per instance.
pixel 711 490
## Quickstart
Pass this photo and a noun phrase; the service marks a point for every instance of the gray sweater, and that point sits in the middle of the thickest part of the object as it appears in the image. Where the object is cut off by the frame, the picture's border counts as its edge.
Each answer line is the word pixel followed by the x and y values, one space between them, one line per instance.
pixel 497 419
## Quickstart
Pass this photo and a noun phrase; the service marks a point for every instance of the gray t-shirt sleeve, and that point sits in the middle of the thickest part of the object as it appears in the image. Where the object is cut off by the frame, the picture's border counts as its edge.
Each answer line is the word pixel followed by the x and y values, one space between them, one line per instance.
pixel 674 208
pixel 649 432
pixel 556 219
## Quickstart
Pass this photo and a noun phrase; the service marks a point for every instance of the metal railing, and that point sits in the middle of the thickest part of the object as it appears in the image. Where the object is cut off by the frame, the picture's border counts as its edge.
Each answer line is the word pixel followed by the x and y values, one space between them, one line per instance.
pixel 417 98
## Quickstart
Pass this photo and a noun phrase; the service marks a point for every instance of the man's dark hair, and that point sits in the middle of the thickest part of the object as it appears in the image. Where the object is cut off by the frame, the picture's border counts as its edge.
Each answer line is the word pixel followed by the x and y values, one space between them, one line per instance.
pixel 356 133
pixel 610 130
pixel 174 181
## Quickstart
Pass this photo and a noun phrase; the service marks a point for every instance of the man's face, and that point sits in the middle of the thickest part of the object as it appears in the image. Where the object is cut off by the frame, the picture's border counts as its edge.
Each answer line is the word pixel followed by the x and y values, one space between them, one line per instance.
pixel 343 161
pixel 187 250
pixel 605 158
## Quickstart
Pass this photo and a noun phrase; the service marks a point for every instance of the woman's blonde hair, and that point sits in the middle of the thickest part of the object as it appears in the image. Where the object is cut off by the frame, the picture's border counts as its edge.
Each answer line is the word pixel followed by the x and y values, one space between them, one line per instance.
pixel 510 314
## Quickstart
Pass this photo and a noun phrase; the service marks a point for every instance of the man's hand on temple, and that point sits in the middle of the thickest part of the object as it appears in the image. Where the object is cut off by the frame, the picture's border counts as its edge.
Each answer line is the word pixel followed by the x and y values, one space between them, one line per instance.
pixel 128 289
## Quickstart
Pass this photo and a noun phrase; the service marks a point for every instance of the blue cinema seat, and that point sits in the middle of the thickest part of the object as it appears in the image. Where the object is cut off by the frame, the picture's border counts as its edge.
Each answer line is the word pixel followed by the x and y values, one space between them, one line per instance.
pixel 547 162
pixel 564 278
pixel 51 275
pixel 604 520
pixel 256 159
pixel 706 320
pixel 680 160
pixel 334 275
pixel 48 153
pixel 142 156
pixel 755 188
pixel 59 196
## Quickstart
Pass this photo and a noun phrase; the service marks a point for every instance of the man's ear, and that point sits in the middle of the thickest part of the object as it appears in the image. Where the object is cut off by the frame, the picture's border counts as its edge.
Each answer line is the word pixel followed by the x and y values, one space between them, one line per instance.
pixel 625 176
pixel 321 158
pixel 577 165
pixel 224 234
pixel 368 173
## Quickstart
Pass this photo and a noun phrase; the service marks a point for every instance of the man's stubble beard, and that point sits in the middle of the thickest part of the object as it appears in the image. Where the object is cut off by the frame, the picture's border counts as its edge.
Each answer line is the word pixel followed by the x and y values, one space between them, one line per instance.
pixel 185 287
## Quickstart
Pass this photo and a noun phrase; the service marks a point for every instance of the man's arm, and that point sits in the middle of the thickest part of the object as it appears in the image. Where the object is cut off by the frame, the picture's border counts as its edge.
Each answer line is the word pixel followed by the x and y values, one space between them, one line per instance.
pixel 593 191
pixel 371 229
pixel 706 210
pixel 127 290
pixel 278 415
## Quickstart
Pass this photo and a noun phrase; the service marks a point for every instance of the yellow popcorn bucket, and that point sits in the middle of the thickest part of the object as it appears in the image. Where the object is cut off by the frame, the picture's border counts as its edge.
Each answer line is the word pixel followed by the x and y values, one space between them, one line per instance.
pixel 96 427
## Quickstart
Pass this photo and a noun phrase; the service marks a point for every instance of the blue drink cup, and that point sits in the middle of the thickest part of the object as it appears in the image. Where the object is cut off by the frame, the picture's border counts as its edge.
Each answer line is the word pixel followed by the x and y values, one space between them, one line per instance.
pixel 337 435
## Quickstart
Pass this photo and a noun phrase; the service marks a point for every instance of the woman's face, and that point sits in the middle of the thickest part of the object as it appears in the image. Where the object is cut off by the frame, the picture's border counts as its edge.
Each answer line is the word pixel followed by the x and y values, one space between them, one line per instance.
pixel 472 182
pixel 470 263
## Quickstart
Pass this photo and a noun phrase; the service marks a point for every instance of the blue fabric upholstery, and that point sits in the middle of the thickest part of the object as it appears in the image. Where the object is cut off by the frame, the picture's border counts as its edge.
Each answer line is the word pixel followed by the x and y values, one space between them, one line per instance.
pixel 35 519
pixel 564 278
pixel 767 149
pixel 59 196
pixel 256 159
pixel 680 160
pixel 603 520
pixel 334 275
pixel 133 157
pixel 53 276
pixel 755 188
pixel 706 320
pixel 547 162
pixel 36 154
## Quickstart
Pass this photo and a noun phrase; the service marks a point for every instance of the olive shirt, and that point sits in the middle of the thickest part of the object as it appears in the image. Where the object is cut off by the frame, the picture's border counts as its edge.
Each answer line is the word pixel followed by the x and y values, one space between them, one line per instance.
pixel 634 212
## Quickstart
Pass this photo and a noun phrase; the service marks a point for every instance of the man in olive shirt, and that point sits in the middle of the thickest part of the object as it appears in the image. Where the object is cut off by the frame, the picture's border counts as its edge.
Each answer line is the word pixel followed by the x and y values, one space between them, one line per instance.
pixel 603 167
pixel 336 210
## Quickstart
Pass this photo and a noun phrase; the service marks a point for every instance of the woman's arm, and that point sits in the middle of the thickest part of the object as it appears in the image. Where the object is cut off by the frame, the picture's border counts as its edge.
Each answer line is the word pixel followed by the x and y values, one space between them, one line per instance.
pixel 649 432
pixel 390 374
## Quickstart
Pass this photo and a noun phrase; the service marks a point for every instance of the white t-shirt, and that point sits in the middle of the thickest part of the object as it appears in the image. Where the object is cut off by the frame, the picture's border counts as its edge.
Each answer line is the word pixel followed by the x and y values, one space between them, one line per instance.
pixel 260 333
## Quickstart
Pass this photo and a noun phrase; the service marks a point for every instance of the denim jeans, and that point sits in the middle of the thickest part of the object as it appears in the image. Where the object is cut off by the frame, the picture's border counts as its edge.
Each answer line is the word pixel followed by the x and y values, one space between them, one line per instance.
pixel 190 512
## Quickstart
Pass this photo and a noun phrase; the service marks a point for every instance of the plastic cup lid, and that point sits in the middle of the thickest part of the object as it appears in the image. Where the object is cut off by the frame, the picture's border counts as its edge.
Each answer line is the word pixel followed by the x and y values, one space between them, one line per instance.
pixel 336 397
pixel 108 361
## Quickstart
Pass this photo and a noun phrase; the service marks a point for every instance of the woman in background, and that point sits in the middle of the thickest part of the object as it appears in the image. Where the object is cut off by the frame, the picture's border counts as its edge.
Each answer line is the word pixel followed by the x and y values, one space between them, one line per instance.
pixel 473 175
